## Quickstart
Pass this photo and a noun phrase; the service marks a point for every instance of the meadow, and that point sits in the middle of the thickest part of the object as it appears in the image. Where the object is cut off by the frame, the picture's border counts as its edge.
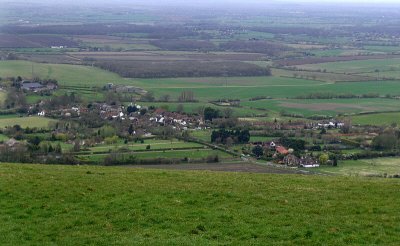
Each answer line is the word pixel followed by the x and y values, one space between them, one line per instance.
pixel 369 167
pixel 119 206
pixel 356 67
pixel 33 121
pixel 329 107
pixel 377 119
pixel 71 75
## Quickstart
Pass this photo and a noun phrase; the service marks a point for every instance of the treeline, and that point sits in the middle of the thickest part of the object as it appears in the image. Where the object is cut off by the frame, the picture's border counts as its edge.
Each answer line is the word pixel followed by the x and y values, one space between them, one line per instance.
pixel 170 69
pixel 230 136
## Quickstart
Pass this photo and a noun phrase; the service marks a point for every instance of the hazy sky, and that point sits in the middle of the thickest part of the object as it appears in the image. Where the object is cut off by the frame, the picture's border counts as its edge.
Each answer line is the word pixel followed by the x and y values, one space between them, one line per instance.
pixel 207 1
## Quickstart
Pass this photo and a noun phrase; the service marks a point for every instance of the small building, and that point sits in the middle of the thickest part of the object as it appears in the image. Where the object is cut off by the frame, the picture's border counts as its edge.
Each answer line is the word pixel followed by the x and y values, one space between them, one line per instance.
pixel 32 86
pixel 281 150
pixel 308 161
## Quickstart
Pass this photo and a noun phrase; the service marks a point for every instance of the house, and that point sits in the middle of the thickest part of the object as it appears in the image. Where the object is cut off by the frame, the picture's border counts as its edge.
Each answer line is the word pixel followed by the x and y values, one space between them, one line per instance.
pixel 42 113
pixel 281 150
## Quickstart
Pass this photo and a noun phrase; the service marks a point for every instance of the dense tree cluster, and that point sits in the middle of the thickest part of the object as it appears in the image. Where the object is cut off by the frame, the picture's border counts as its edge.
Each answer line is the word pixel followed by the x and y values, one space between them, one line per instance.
pixel 295 144
pixel 225 136
pixel 169 69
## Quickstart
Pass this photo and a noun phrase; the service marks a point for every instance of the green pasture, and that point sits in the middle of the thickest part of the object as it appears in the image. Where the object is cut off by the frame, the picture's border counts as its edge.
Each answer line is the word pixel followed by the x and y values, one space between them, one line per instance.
pixel 157 144
pixel 70 75
pixel 371 167
pixel 31 122
pixel 377 119
pixel 328 107
pixel 280 91
pixel 356 66
pixel 70 205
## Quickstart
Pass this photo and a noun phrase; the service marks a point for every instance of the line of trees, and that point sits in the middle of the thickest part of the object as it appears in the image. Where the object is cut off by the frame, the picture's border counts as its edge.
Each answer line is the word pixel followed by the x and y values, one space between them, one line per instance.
pixel 230 136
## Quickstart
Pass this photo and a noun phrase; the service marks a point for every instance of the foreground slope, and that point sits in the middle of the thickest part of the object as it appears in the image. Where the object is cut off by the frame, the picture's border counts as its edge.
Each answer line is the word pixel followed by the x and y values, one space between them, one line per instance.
pixel 72 205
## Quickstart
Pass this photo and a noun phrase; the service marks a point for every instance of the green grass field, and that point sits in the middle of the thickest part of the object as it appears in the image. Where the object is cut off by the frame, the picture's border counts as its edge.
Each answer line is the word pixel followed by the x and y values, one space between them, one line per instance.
pixel 329 107
pixel 356 67
pixel 154 145
pixel 72 75
pixel 378 167
pixel 377 119
pixel 70 205
pixel 31 122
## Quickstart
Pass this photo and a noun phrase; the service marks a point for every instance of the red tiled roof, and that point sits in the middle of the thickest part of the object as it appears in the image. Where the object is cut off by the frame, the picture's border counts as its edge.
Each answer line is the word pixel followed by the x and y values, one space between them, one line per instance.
pixel 282 150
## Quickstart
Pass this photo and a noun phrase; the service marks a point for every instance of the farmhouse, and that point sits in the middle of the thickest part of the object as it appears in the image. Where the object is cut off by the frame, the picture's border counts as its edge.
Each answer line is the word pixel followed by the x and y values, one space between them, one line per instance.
pixel 37 87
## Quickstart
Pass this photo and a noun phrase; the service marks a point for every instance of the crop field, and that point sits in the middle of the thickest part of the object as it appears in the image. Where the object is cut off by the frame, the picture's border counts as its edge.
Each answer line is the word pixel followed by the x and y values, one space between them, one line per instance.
pixel 85 205
pixel 31 122
pixel 377 119
pixel 372 167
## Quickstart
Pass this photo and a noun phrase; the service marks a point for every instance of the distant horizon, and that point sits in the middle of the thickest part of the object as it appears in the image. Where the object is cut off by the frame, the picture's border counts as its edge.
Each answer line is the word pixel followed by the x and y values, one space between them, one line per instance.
pixel 206 2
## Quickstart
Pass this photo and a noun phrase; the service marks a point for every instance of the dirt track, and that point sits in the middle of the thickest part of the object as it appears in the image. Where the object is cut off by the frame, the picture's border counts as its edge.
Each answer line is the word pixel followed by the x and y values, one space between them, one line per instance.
pixel 224 167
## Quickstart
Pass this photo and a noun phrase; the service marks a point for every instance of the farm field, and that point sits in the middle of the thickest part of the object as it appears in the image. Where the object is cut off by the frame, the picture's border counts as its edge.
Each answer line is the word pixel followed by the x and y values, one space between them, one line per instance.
pixel 195 154
pixel 31 122
pixel 154 145
pixel 329 107
pixel 205 89
pixel 372 167
pixel 279 91
pixel 328 77
pixel 191 207
pixel 356 67
pixel 377 119
pixel 71 75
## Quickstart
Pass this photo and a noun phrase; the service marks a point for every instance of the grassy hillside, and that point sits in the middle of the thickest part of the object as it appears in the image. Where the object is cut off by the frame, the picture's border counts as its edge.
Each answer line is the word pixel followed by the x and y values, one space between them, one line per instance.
pixel 70 205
